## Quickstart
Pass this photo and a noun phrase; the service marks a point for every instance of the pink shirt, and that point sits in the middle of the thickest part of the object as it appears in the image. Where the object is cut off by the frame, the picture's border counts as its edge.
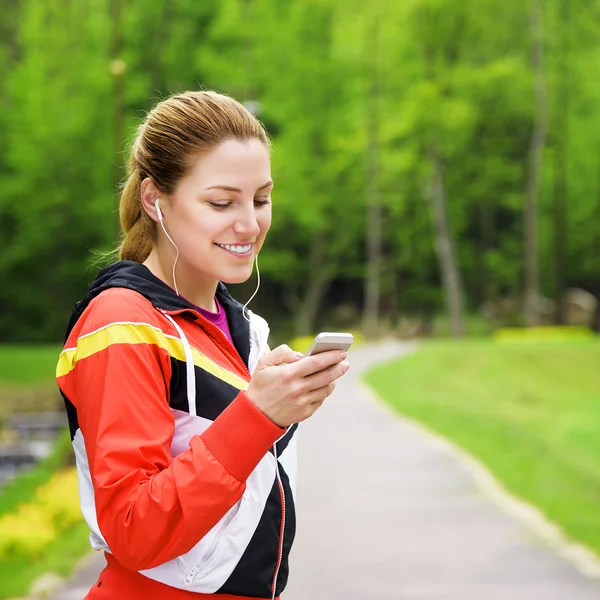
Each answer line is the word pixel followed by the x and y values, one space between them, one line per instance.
pixel 219 318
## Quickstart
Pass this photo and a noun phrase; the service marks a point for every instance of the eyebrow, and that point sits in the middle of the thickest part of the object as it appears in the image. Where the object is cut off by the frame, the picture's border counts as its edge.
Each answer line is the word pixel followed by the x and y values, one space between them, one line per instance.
pixel 234 189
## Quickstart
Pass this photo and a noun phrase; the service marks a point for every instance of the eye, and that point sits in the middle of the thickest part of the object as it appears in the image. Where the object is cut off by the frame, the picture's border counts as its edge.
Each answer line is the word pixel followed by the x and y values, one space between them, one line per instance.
pixel 261 201
pixel 220 205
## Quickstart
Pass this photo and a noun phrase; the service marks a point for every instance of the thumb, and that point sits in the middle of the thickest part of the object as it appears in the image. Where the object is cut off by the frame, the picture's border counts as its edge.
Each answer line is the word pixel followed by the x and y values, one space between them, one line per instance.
pixel 281 355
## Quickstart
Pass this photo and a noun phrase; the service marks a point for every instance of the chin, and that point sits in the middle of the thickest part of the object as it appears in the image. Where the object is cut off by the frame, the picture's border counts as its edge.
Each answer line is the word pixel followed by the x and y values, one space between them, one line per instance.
pixel 232 278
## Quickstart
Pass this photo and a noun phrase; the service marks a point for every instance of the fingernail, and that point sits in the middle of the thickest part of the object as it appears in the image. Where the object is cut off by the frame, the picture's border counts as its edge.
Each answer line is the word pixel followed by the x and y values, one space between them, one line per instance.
pixel 343 355
pixel 346 366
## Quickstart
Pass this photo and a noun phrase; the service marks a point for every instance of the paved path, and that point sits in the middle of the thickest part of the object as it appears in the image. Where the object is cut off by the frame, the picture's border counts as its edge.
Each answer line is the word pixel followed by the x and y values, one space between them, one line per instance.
pixel 385 513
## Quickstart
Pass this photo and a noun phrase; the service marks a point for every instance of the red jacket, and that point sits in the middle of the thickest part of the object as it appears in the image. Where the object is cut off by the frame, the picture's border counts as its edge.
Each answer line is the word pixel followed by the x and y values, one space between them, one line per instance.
pixel 181 480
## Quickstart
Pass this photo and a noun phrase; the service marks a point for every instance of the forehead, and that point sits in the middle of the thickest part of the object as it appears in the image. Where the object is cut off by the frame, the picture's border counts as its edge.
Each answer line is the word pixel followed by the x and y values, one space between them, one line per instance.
pixel 234 163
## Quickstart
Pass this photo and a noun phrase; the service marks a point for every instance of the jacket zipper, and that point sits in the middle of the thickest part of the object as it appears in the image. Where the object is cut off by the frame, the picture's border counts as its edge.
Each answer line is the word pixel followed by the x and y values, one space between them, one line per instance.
pixel 230 517
pixel 190 577
pixel 282 529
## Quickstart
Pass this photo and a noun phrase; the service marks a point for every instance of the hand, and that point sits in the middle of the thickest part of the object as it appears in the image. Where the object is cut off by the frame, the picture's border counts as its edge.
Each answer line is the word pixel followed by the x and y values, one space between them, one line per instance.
pixel 289 388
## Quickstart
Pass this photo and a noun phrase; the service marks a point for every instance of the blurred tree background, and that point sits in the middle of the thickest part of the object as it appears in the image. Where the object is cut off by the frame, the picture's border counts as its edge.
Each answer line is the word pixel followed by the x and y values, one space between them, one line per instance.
pixel 431 157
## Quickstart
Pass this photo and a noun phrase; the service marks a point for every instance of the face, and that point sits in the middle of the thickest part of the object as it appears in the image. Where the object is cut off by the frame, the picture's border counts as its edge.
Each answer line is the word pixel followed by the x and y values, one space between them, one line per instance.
pixel 220 212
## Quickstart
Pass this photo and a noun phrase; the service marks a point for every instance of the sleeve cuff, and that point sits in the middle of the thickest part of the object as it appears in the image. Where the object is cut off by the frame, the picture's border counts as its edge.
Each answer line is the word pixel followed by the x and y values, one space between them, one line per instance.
pixel 240 436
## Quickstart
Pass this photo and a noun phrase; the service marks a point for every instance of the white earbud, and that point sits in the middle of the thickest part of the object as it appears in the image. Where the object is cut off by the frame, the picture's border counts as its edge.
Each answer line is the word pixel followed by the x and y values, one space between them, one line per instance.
pixel 158 212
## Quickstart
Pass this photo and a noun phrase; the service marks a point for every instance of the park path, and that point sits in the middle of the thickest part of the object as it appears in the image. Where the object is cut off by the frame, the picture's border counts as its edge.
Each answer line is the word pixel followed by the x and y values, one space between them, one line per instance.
pixel 385 512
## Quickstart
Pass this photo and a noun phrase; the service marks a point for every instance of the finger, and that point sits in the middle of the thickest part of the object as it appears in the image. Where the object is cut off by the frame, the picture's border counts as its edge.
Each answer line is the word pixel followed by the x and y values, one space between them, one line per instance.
pixel 279 356
pixel 316 398
pixel 326 377
pixel 310 410
pixel 324 393
pixel 314 406
pixel 313 364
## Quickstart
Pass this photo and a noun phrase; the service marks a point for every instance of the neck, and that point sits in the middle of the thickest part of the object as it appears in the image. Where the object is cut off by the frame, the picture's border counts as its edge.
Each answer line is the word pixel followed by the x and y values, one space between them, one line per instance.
pixel 189 285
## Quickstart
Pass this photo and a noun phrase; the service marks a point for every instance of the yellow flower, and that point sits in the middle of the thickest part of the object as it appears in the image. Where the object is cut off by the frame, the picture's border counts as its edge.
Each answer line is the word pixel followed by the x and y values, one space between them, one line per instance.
pixel 60 497
pixel 35 525
pixel 28 531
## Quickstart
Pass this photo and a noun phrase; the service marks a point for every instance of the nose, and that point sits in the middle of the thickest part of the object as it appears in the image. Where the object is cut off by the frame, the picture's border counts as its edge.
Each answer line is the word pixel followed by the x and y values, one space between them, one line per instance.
pixel 247 223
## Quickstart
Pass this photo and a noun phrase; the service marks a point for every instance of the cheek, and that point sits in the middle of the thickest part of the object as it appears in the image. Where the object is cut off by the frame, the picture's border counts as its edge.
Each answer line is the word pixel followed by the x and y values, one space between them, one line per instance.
pixel 264 222
pixel 201 226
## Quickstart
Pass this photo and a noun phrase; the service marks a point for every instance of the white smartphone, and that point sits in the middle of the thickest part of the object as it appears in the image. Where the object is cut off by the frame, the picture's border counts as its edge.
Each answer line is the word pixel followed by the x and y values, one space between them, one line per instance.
pixel 328 340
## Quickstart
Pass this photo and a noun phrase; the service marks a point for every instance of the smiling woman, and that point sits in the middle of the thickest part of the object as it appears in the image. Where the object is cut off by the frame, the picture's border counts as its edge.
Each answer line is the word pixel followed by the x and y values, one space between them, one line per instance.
pixel 183 422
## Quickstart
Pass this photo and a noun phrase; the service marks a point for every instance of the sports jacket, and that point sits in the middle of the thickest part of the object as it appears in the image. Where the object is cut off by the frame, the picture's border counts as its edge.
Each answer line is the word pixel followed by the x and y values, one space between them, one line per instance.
pixel 181 477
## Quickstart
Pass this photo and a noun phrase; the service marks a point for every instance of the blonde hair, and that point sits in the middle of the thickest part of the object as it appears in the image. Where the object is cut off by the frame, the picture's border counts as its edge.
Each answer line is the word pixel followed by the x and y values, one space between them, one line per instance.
pixel 175 132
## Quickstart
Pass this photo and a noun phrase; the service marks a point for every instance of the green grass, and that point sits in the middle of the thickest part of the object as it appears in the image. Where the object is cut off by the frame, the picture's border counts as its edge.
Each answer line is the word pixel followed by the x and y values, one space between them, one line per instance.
pixel 474 326
pixel 28 365
pixel 530 412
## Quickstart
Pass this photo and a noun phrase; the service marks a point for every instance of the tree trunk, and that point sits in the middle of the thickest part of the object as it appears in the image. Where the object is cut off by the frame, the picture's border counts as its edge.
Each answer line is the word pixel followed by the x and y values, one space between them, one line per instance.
pixel 307 313
pixel 373 205
pixel 560 168
pixel 319 278
pixel 395 291
pixel 485 288
pixel 536 149
pixel 445 246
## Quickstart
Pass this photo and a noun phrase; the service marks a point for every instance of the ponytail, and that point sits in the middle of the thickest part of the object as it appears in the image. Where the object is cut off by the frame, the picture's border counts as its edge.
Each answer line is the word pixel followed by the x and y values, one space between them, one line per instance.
pixel 137 226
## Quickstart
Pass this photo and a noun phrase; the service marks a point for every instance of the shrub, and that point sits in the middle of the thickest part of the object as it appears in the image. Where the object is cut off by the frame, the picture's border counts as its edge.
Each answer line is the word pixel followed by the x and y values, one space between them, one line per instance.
pixel 36 524
pixel 558 333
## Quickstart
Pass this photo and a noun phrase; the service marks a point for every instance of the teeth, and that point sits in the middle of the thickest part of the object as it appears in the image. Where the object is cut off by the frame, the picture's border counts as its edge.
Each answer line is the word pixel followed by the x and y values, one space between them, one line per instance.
pixel 238 249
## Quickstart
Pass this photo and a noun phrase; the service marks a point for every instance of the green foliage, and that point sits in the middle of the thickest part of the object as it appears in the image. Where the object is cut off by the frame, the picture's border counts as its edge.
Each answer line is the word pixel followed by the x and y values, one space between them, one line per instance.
pixel 528 411
pixel 435 76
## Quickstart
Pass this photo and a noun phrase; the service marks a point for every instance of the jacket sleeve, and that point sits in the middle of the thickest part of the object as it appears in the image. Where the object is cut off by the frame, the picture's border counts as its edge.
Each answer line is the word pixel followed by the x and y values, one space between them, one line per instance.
pixel 150 507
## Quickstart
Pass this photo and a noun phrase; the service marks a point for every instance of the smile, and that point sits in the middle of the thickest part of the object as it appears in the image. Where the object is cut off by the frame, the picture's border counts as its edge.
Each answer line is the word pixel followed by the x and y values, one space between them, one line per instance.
pixel 237 249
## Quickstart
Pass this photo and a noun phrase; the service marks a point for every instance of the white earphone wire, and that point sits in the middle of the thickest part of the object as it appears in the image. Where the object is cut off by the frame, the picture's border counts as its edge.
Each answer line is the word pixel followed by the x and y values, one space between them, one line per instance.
pixel 160 218
pixel 244 310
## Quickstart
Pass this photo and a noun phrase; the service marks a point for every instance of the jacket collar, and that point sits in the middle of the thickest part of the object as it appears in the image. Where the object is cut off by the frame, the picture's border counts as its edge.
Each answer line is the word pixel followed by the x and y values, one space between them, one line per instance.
pixel 136 276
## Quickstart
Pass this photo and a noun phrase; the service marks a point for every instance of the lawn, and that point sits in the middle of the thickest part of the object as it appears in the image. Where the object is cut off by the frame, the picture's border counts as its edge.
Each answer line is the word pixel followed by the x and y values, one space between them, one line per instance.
pixel 530 412
pixel 28 365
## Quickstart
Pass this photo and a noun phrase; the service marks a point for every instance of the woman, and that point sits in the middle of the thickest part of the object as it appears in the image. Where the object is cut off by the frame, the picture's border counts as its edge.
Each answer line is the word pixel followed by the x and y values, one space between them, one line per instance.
pixel 182 420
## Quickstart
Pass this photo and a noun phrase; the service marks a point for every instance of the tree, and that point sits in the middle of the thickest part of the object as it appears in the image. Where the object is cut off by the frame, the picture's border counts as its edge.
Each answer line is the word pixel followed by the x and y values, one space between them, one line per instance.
pixel 372 195
pixel 535 158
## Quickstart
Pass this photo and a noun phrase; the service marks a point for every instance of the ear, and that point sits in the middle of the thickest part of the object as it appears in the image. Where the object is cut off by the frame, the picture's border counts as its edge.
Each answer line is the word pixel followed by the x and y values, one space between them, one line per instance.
pixel 148 194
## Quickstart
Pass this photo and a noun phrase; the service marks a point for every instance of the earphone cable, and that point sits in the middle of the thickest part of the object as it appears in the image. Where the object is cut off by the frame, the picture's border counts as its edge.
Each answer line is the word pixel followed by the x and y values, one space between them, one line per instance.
pixel 176 256
pixel 244 310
